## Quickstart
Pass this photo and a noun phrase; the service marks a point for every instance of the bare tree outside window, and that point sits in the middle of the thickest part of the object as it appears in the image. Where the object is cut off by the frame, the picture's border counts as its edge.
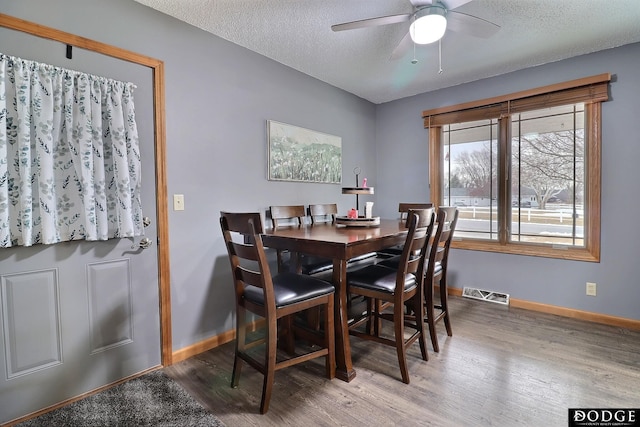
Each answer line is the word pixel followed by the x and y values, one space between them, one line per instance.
pixel 476 172
pixel 550 163
pixel 548 153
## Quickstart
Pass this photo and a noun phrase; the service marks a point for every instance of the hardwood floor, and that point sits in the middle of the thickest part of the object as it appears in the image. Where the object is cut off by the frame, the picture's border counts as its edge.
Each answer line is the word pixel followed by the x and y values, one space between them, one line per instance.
pixel 502 367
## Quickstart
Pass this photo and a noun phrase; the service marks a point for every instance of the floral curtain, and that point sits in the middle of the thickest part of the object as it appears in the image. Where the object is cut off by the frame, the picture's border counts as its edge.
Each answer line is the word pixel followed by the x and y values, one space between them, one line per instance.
pixel 69 156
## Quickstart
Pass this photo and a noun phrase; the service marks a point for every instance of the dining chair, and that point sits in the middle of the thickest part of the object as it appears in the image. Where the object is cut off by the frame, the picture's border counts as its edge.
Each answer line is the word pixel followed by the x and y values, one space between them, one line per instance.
pixel 436 273
pixel 290 215
pixel 403 209
pixel 287 215
pixel 424 217
pixel 391 259
pixel 295 215
pixel 388 288
pixel 327 213
pixel 274 298
pixel 323 213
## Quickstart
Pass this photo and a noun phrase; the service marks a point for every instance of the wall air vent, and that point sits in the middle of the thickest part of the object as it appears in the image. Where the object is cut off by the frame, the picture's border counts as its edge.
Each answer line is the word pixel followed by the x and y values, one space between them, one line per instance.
pixel 481 294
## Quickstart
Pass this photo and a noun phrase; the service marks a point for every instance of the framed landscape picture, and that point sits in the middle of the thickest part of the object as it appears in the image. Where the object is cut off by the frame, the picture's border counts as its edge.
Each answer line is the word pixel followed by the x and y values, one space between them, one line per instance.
pixel 299 154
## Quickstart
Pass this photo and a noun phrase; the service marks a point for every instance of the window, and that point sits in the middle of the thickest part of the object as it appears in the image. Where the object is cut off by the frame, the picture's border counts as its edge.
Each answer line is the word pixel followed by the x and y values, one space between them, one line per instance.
pixel 470 176
pixel 523 169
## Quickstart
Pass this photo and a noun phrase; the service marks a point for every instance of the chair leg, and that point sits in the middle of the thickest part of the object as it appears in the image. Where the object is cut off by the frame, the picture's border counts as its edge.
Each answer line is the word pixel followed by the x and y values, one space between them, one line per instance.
pixel 422 340
pixel 430 315
pixel 267 388
pixel 329 340
pixel 377 326
pixel 399 336
pixel 313 318
pixel 370 315
pixel 374 323
pixel 444 302
pixel 241 336
pixel 287 335
pixel 270 366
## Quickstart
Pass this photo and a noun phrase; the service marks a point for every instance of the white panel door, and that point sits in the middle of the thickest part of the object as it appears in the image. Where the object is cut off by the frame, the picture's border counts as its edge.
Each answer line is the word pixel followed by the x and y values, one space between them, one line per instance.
pixel 76 316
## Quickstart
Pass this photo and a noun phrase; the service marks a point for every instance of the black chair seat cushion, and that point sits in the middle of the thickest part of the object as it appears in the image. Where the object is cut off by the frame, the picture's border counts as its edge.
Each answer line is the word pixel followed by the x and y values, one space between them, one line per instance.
pixel 393 251
pixel 363 257
pixel 310 265
pixel 314 265
pixel 392 262
pixel 290 288
pixel 378 278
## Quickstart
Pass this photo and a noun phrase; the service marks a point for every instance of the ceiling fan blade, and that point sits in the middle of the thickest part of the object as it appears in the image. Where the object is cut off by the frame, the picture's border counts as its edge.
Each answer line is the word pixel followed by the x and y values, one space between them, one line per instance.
pixel 469 24
pixel 372 22
pixel 453 4
pixel 421 3
pixel 402 48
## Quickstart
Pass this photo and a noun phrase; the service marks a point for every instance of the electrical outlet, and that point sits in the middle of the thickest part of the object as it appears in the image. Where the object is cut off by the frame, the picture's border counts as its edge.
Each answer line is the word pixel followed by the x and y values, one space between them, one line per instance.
pixel 178 202
pixel 591 289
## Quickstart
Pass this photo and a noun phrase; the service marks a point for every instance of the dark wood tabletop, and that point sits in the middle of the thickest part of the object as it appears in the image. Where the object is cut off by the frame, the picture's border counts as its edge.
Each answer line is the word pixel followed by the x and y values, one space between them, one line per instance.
pixel 339 243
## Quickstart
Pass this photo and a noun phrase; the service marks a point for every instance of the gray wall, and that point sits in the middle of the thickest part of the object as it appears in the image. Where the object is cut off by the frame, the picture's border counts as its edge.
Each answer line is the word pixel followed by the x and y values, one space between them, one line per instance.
pixel 218 98
pixel 401 145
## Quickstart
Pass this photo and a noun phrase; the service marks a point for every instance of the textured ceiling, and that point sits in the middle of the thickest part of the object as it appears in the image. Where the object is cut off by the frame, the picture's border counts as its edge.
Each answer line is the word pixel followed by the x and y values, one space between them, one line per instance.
pixel 298 33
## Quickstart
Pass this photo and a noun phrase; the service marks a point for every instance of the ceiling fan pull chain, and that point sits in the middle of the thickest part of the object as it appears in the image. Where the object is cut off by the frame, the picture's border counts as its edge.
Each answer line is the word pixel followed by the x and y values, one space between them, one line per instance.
pixel 440 56
pixel 414 60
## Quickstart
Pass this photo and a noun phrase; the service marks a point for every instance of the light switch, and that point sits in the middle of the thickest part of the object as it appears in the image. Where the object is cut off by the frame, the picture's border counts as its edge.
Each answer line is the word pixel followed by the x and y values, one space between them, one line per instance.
pixel 178 202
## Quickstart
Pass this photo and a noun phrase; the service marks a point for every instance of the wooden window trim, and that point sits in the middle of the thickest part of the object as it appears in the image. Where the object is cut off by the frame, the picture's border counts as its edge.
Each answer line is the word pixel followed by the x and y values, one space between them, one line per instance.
pixel 587 89
pixel 590 90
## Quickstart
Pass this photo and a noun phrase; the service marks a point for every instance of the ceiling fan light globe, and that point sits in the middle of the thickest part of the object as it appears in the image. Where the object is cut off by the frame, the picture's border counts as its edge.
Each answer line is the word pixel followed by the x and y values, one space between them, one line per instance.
pixel 430 27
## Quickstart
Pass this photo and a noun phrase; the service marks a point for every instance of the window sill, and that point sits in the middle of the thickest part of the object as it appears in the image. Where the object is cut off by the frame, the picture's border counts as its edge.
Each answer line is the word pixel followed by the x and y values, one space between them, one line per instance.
pixel 574 254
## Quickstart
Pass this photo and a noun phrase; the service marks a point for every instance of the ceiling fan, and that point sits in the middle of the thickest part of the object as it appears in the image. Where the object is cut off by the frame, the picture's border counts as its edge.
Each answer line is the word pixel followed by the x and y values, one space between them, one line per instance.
pixel 429 21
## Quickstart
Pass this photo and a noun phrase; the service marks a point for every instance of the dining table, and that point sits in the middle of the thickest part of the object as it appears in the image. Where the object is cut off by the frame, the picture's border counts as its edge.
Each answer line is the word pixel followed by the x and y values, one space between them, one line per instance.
pixel 339 243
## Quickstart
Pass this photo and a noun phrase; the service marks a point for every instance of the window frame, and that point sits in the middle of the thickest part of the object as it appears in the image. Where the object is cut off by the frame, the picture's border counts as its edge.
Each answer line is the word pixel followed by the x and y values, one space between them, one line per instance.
pixel 591 91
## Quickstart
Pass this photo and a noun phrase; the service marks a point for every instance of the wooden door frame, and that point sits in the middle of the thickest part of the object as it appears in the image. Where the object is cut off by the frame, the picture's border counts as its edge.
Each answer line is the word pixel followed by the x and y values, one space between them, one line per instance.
pixel 157 68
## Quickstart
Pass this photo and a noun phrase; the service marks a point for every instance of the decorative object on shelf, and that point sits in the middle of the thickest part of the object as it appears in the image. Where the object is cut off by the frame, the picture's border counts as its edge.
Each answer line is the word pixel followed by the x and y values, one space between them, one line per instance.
pixel 353 219
pixel 303 155
pixel 368 209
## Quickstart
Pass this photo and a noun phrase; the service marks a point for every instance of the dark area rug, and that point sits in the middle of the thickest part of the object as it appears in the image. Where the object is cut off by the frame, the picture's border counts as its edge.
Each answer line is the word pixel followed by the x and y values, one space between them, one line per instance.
pixel 153 399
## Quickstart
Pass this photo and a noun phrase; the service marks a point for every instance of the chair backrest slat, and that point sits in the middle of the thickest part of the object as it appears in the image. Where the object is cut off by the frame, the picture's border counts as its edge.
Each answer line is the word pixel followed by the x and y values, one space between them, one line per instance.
pixel 239 222
pixel 403 208
pixel 451 219
pixel 435 250
pixel 323 213
pixel 249 277
pixel 245 251
pixel 249 264
pixel 285 215
pixel 446 224
pixel 420 223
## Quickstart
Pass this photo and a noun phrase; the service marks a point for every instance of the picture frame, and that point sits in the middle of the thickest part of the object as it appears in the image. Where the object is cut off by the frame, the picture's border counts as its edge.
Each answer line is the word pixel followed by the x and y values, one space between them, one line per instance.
pixel 302 155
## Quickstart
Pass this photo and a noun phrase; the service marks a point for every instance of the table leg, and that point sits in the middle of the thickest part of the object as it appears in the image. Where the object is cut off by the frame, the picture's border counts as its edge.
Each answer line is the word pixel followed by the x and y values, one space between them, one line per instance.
pixel 344 366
